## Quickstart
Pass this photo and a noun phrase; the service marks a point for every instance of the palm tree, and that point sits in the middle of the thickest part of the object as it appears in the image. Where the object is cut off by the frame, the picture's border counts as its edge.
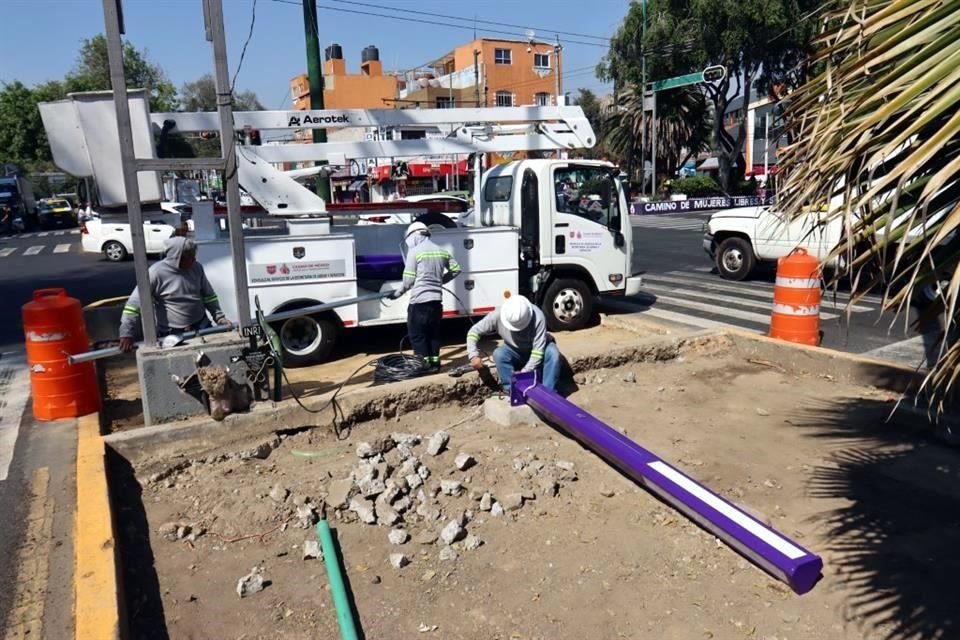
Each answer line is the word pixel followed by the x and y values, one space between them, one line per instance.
pixel 877 134
pixel 683 128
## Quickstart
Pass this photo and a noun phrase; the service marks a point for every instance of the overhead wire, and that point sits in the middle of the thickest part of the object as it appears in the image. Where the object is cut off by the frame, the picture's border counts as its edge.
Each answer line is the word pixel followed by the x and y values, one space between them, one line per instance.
pixel 434 22
pixel 474 20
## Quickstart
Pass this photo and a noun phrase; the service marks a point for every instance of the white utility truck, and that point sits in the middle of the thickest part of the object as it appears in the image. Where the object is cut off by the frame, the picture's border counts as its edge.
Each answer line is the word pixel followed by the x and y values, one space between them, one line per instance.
pixel 524 236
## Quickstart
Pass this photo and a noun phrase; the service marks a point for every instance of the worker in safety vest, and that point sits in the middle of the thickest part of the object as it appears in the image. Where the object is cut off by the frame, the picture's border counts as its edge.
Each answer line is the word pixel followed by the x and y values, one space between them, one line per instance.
pixel 526 343
pixel 181 293
pixel 426 269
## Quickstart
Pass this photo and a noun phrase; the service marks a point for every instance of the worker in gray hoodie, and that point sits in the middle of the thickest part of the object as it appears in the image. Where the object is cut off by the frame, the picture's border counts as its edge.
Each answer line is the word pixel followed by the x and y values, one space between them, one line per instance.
pixel 426 269
pixel 527 345
pixel 181 293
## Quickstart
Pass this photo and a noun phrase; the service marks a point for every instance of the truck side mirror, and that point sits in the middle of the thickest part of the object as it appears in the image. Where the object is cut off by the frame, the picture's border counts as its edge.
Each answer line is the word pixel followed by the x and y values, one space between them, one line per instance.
pixel 618 240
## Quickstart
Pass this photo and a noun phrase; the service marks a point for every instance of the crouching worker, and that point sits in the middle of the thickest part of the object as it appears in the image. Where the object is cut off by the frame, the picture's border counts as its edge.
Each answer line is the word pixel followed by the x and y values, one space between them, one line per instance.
pixel 426 269
pixel 181 293
pixel 526 344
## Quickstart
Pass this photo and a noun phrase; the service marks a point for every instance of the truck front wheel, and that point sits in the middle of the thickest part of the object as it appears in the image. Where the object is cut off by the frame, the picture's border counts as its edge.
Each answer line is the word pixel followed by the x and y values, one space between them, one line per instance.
pixel 735 259
pixel 306 340
pixel 567 305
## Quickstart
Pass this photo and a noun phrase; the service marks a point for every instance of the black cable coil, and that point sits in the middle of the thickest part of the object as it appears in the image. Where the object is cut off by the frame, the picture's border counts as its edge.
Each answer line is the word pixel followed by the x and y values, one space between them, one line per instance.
pixel 399 366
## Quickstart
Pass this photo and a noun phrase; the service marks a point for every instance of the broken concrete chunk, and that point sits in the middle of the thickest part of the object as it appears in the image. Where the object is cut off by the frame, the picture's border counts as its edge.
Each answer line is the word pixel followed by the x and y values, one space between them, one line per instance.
pixel 398 536
pixel 452 532
pixel 409 439
pixel 423 472
pixel 183 531
pixel 399 560
pixel 472 543
pixel 486 502
pixel 548 487
pixel 448 554
pixel 451 487
pixel 437 442
pixel 413 481
pixel 629 376
pixel 565 465
pixel 496 509
pixel 512 501
pixel 408 466
pixel 428 512
pixel 364 510
pixel 307 516
pixel 387 516
pixel 390 492
pixel 405 451
pixel 366 450
pixel 279 493
pixel 370 488
pixel 365 472
pixel 402 504
pixel 464 461
pixel 338 492
pixel 519 464
pixel 168 530
pixel 251 583
pixel 311 550
pixel 426 537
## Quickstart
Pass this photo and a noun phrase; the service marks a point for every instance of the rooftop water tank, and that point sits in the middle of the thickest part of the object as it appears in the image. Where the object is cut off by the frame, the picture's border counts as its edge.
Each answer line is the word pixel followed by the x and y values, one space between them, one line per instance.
pixel 333 52
pixel 369 54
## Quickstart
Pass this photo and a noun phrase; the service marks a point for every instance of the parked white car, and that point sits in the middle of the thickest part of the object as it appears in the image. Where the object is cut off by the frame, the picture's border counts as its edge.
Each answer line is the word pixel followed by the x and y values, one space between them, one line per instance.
pixel 113 238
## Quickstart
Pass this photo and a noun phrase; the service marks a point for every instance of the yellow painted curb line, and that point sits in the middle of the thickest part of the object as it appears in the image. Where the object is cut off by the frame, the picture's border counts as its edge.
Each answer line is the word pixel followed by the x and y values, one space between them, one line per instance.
pixel 96 593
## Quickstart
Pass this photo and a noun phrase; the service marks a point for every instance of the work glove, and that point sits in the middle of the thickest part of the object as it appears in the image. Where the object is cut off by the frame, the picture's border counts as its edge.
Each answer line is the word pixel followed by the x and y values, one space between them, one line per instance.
pixel 395 294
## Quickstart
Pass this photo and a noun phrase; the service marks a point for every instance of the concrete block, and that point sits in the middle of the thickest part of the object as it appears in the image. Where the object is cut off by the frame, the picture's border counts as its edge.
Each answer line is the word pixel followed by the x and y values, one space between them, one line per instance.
pixel 163 400
pixel 498 410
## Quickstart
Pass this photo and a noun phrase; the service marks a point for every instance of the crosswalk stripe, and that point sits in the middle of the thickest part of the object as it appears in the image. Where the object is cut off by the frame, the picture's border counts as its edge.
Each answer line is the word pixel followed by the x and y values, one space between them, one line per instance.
pixel 43 235
pixel 32 251
pixel 6 252
pixel 766 294
pixel 60 233
pixel 61 248
pixel 768 286
pixel 682 318
pixel 728 312
pixel 766 306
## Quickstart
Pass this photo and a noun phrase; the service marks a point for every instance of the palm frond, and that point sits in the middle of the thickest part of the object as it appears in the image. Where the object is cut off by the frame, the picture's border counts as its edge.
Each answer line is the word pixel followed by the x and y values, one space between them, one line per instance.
pixel 877 136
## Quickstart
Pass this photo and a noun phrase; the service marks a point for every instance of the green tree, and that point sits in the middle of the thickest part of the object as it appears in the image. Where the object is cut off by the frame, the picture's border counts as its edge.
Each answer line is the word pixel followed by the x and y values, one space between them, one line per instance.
pixel 201 95
pixel 587 100
pixel 92 73
pixel 760 42
pixel 878 138
pixel 23 140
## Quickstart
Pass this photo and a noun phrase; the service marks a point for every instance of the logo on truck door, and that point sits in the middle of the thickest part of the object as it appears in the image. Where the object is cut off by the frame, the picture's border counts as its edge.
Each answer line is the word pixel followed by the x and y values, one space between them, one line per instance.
pixel 299 252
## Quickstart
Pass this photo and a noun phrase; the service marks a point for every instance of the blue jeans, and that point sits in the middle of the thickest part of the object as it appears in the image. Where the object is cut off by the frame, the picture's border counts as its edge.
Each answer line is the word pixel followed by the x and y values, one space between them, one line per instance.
pixel 509 360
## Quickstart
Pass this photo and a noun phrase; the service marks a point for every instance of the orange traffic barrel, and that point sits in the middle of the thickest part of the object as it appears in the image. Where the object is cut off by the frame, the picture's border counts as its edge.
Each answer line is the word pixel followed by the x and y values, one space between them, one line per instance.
pixel 53 329
pixel 796 299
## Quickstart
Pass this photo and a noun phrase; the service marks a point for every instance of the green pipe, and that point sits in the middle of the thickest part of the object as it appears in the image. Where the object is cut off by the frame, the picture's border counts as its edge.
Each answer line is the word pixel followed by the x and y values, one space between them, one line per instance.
pixel 341 601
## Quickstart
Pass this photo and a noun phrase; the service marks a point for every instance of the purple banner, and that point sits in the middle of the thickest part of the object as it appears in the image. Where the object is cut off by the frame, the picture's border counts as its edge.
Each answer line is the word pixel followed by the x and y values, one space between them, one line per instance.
pixel 693 205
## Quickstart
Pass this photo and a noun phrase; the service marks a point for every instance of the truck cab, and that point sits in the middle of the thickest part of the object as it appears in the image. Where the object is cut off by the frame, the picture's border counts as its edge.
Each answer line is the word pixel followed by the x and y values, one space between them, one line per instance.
pixel 575 234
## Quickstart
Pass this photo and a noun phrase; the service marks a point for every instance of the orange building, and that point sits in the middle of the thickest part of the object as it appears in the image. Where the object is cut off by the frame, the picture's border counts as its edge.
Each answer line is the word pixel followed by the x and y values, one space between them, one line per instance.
pixel 487 72
pixel 369 89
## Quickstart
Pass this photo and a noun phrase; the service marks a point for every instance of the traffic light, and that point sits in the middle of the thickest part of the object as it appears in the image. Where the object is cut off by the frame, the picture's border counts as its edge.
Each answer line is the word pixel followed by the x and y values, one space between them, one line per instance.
pixel 716 73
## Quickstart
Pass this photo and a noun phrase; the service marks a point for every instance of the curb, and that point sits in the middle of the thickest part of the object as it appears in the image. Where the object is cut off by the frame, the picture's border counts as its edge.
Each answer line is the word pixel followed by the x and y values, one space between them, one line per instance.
pixel 96 588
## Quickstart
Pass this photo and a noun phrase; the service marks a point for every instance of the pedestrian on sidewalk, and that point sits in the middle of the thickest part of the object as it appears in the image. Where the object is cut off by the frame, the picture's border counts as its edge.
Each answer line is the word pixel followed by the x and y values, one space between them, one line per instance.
pixel 526 343
pixel 426 269
pixel 182 295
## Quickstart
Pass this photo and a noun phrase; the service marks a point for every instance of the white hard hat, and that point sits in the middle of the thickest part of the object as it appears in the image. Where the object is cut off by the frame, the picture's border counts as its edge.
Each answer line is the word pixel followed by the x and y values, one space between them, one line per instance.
pixel 415 228
pixel 516 313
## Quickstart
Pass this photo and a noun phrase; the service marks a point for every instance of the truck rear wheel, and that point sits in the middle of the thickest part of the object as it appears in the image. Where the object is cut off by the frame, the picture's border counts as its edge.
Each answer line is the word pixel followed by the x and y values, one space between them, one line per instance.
pixel 306 340
pixel 567 305
pixel 735 259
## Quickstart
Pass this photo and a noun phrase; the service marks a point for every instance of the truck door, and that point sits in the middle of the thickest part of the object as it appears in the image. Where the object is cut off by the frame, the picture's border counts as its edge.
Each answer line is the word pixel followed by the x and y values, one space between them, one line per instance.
pixel 586 224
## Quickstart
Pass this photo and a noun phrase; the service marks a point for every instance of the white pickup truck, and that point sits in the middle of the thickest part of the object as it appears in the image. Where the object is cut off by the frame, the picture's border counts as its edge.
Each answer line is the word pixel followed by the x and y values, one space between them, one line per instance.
pixel 739 239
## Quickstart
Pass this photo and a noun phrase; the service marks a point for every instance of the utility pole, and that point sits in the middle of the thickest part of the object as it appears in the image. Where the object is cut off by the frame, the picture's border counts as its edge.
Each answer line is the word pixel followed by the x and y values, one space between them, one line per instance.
pixel 114 27
pixel 476 75
pixel 653 144
pixel 557 48
pixel 228 147
pixel 315 74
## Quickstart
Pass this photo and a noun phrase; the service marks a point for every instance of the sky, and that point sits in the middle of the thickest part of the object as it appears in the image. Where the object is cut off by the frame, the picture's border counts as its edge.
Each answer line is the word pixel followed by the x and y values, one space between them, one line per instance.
pixel 39 39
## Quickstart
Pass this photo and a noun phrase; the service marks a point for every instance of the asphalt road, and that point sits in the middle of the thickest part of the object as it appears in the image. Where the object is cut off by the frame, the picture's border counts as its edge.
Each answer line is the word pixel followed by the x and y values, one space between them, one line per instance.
pixel 682 287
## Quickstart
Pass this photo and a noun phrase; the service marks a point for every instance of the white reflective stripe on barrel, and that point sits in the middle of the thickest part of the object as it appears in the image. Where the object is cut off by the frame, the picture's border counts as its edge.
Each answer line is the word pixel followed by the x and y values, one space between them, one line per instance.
pixel 798 283
pixel 796 310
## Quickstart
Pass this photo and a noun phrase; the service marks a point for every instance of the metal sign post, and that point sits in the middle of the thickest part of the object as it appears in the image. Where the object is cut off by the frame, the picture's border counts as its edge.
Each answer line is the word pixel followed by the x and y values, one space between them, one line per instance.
pixel 112 18
pixel 228 146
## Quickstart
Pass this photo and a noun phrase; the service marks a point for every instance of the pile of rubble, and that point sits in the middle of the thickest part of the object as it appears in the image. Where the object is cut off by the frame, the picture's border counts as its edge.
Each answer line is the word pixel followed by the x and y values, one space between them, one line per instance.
pixel 393 487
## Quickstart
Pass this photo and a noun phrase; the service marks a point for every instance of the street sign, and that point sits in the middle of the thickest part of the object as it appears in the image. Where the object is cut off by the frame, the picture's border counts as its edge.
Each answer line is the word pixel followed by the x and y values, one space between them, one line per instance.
pixel 716 73
pixel 710 74
pixel 678 81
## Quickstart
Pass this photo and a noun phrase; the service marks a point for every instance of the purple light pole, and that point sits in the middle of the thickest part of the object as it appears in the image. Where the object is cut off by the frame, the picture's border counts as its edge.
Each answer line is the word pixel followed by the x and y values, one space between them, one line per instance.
pixel 768 549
